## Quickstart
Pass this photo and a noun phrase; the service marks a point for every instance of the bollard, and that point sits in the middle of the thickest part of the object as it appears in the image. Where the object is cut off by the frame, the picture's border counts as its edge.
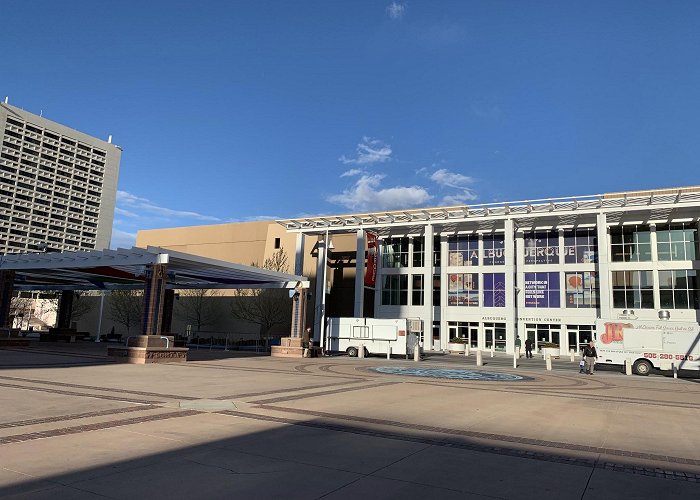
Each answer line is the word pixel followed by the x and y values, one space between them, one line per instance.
pixel 572 355
pixel 675 370
pixel 515 358
pixel 628 366
pixel 466 349
pixel 416 353
pixel 493 349
pixel 388 353
pixel 479 361
pixel 361 351
pixel 548 362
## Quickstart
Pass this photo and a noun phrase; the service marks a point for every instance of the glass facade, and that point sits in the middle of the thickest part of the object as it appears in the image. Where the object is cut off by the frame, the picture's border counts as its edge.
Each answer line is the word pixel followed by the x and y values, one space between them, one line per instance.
pixel 679 289
pixel 463 250
pixel 395 252
pixel 494 250
pixel 630 243
pixel 463 290
pixel 677 241
pixel 542 247
pixel 580 246
pixel 632 289
pixel 581 289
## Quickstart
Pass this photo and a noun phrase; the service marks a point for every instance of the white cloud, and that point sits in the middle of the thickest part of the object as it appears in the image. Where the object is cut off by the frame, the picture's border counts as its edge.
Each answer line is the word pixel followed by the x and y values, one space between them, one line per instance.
pixel 458 199
pixel 445 178
pixel 395 10
pixel 122 239
pixel 366 194
pixel 369 151
pixel 352 172
pixel 146 208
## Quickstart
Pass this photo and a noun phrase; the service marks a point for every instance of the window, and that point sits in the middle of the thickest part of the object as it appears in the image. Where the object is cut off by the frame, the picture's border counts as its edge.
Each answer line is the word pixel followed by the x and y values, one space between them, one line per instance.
pixel 436 290
pixel 418 251
pixel 494 290
pixel 463 290
pixel 277 243
pixel 494 250
pixel 676 241
pixel 437 251
pixel 542 290
pixel 542 247
pixel 581 289
pixel 679 289
pixel 630 243
pixel 395 290
pixel 463 250
pixel 395 252
pixel 580 246
pixel 417 290
pixel 632 289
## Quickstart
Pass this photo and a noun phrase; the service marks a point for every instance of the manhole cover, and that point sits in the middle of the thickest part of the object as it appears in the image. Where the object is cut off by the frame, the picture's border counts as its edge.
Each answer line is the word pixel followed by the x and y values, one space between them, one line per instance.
pixel 450 373
pixel 207 405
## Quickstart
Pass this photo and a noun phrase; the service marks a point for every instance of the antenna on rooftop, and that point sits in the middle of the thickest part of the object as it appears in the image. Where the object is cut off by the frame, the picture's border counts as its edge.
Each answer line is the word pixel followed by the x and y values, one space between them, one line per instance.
pixel 7 99
pixel 109 139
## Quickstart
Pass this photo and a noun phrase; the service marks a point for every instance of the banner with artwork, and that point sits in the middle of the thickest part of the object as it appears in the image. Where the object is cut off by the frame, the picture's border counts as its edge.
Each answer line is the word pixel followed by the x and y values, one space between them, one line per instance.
pixel 371 272
pixel 542 290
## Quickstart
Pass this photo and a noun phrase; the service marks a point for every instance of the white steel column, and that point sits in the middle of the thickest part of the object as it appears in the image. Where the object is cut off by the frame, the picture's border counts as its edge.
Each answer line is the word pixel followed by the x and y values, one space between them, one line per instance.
pixel 603 266
pixel 444 331
pixel 320 302
pixel 655 283
pixel 360 274
pixel 299 255
pixel 428 288
pixel 511 310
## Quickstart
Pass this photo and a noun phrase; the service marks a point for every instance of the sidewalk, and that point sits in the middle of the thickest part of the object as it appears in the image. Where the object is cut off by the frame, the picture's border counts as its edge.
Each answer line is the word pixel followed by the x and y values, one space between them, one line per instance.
pixel 74 426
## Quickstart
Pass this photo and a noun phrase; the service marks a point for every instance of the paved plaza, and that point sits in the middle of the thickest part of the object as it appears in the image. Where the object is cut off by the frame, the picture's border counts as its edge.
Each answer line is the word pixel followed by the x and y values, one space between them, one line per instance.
pixel 74 425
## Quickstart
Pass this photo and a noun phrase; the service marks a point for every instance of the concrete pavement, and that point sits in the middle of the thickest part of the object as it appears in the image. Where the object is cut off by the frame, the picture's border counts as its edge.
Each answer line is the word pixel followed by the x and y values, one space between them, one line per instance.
pixel 224 425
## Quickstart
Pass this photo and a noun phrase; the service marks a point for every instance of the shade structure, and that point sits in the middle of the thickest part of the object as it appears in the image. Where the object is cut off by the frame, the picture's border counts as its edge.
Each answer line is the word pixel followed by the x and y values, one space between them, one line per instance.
pixel 126 269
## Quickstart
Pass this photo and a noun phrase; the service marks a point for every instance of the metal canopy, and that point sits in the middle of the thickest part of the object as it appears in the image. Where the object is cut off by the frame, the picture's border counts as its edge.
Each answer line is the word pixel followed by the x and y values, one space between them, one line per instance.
pixel 125 269
pixel 600 203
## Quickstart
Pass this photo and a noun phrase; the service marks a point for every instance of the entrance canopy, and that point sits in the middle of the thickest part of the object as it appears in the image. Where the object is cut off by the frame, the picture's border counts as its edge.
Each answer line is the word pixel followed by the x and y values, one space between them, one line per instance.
pixel 127 269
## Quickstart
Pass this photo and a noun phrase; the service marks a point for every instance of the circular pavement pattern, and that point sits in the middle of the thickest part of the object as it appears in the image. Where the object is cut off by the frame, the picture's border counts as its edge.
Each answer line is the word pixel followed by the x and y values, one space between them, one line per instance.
pixel 451 373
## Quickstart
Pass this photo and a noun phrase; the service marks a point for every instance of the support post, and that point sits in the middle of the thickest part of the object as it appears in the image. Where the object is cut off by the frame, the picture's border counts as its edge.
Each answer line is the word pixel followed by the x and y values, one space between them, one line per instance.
pixel 416 353
pixel 153 298
pixel 479 360
pixel 7 279
pixel 572 355
pixel 388 352
pixel 360 274
pixel 466 349
pixel 628 366
pixel 548 362
pixel 361 351
pixel 515 358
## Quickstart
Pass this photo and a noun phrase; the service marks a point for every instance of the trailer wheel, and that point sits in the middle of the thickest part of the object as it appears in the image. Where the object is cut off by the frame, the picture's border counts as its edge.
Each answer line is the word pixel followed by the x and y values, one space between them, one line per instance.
pixel 642 367
pixel 352 352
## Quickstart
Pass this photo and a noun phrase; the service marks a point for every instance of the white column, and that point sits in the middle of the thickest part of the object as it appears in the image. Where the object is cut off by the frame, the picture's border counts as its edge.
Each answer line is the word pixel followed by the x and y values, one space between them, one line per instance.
pixel 655 267
pixel 444 332
pixel 320 302
pixel 603 266
pixel 299 255
pixel 511 309
pixel 360 274
pixel 428 288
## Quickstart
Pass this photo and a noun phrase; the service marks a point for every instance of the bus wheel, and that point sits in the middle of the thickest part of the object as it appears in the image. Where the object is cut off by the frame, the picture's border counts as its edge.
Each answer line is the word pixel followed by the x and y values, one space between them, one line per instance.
pixel 642 367
pixel 352 352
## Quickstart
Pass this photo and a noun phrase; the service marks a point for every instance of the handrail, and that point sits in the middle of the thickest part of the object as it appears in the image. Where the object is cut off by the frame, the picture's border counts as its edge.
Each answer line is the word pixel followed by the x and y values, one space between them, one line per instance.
pixel 167 340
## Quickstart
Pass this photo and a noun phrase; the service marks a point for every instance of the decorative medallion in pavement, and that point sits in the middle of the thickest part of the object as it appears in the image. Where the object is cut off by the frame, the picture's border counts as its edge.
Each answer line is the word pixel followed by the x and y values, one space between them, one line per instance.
pixel 451 373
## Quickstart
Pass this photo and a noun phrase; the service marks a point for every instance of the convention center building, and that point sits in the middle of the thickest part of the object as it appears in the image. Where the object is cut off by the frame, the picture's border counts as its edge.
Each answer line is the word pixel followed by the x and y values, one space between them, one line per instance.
pixel 540 269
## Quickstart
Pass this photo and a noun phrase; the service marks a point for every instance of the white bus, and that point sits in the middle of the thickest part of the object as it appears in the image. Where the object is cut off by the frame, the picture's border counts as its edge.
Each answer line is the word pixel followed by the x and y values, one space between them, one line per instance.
pixel 649 344
pixel 375 336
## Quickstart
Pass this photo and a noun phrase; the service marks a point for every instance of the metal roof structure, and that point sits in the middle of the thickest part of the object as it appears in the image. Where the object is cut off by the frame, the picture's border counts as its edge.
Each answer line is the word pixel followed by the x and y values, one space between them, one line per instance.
pixel 592 204
pixel 125 269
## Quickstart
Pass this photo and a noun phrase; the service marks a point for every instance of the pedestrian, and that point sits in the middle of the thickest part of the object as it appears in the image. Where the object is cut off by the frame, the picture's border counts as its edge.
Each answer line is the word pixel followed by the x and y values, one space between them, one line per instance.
pixel 582 366
pixel 590 355
pixel 517 346
pixel 528 348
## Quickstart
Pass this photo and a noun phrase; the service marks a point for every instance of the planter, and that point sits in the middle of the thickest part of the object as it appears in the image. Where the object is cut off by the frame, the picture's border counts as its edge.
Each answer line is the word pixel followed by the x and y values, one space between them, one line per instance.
pixel 552 351
pixel 456 348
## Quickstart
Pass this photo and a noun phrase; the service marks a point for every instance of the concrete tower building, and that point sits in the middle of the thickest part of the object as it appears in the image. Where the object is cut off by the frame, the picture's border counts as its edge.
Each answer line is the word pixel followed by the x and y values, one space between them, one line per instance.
pixel 58 186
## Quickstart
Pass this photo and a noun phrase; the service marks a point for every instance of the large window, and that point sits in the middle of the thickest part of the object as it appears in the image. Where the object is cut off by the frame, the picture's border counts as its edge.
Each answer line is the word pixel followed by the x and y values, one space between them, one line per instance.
pixel 679 289
pixel 395 290
pixel 542 290
pixel 580 246
pixel 494 250
pixel 437 251
pixel 417 290
pixel 463 250
pixel 494 289
pixel 676 241
pixel 463 290
pixel 632 289
pixel 542 247
pixel 630 243
pixel 581 289
pixel 418 251
pixel 395 252
pixel 436 290
pixel 580 335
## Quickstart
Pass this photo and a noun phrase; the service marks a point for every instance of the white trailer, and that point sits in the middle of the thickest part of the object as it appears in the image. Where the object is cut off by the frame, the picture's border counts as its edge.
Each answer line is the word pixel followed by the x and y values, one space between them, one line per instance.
pixel 649 344
pixel 375 336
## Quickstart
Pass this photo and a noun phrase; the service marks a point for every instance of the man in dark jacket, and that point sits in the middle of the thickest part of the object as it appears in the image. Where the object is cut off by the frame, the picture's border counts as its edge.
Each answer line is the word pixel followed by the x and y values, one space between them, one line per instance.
pixel 528 348
pixel 589 356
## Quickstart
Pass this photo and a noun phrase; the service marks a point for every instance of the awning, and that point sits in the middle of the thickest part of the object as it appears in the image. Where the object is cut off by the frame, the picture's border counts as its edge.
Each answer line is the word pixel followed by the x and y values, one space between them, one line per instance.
pixel 125 269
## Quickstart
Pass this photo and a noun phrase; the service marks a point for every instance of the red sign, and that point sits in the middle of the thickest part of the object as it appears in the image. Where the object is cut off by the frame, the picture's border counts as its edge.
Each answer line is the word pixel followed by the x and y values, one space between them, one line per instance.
pixel 371 273
pixel 614 332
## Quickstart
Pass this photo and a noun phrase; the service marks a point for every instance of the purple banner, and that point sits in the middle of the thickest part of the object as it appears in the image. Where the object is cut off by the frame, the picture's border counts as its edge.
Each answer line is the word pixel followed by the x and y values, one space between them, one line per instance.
pixel 494 290
pixel 542 290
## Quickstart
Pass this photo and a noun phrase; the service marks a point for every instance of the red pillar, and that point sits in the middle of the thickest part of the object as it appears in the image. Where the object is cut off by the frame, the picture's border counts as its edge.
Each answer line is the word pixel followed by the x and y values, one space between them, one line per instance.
pixel 153 299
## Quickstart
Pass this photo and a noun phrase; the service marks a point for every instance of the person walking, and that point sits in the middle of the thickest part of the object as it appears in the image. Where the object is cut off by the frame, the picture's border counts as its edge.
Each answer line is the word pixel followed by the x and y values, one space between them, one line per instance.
pixel 517 346
pixel 528 348
pixel 589 356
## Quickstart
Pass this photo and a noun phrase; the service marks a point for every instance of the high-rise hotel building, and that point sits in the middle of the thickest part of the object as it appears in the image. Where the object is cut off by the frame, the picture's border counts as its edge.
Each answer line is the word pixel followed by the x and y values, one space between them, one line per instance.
pixel 58 186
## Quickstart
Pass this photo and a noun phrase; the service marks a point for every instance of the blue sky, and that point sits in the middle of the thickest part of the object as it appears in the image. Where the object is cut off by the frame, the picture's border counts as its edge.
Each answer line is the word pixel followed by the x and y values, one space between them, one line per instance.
pixel 232 110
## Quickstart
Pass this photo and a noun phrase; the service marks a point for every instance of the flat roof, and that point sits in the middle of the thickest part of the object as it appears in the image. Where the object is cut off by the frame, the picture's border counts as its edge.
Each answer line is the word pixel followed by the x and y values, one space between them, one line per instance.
pixel 125 269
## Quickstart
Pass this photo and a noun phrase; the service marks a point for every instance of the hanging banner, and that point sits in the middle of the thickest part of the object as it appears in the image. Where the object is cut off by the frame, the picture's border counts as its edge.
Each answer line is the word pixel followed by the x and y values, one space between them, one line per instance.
pixel 371 272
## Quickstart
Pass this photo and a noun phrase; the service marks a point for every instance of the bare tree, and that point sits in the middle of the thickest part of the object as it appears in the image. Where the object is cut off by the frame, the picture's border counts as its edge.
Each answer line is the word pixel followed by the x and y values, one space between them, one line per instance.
pixel 20 305
pixel 125 308
pixel 266 307
pixel 80 305
pixel 197 308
